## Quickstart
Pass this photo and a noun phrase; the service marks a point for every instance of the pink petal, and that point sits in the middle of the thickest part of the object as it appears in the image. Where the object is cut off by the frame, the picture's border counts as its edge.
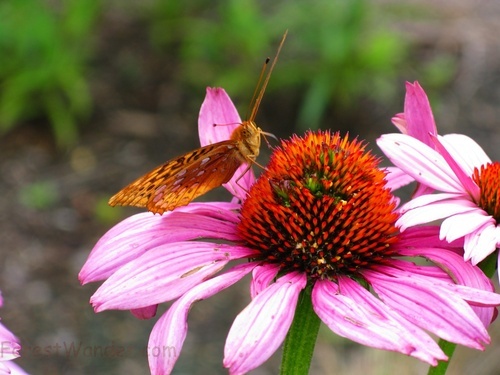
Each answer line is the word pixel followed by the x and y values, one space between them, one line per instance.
pixel 399 122
pixel 498 263
pixel 9 344
pixel 11 368
pixel 168 334
pixel 433 272
pixel 14 369
pixel 432 305
pixel 145 312
pixel 460 225
pixel 217 108
pixel 4 369
pixel 351 311
pixel 164 273
pixel 427 199
pixel 425 236
pixel 262 277
pixel 462 272
pixel 465 179
pixel 139 233
pixel 417 122
pixel 418 114
pixel 481 242
pixel 474 157
pixel 435 211
pixel 261 327
pixel 241 182
pixel 420 161
pixel 396 178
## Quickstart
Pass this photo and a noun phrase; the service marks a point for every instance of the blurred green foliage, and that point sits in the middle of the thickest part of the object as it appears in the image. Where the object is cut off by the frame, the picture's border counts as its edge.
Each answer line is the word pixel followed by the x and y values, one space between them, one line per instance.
pixel 44 50
pixel 105 214
pixel 336 51
pixel 39 195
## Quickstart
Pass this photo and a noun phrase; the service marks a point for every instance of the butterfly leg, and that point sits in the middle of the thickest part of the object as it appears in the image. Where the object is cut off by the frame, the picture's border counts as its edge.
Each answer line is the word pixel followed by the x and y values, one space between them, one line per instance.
pixel 241 176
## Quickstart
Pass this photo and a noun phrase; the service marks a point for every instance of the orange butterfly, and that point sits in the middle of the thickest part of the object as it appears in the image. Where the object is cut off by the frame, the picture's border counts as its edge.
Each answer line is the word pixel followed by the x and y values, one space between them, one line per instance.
pixel 182 179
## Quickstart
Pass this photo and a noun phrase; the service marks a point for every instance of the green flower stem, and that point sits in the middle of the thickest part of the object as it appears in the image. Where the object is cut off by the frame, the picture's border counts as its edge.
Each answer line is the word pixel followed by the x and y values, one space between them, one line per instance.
pixel 299 343
pixel 488 266
pixel 448 349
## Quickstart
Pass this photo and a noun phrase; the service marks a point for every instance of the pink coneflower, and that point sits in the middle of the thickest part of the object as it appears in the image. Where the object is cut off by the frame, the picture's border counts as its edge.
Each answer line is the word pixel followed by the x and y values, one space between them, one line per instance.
pixel 462 173
pixel 9 350
pixel 319 219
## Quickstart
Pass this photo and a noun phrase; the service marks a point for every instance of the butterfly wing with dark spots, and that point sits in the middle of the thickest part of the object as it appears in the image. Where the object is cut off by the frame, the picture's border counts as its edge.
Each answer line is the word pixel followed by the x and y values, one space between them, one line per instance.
pixel 180 180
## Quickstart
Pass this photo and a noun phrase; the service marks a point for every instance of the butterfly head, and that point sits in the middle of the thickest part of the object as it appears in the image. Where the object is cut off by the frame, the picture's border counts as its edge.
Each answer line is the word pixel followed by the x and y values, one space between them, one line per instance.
pixel 247 138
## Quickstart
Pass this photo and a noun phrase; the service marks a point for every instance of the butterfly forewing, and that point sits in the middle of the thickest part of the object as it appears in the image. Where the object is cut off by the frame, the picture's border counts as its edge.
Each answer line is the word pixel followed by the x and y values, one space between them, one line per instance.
pixel 180 180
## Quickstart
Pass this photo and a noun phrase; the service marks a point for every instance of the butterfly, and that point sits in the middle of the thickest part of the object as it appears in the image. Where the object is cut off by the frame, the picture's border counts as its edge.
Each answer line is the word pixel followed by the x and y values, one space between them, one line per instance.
pixel 184 178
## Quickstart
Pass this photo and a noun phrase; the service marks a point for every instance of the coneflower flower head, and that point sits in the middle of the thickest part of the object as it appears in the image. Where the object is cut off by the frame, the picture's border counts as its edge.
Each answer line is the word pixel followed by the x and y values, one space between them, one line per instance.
pixel 321 207
pixel 465 181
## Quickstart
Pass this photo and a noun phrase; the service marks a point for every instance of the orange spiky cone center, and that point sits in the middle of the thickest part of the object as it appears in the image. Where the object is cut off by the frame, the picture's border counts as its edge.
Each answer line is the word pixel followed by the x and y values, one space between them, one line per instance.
pixel 488 179
pixel 321 207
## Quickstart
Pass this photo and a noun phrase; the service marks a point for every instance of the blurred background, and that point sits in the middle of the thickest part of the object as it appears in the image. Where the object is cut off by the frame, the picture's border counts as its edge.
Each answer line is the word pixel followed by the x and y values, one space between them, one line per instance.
pixel 95 93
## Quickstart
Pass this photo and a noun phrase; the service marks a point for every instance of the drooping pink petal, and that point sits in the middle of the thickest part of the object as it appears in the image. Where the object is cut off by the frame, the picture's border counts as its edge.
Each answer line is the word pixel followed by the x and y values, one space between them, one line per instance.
pixel 396 178
pixel 139 233
pixel 457 226
pixel 498 263
pixel 434 211
pixel 164 273
pixel 144 313
pixel 4 369
pixel 241 182
pixel 218 109
pixel 463 273
pixel 481 242
pixel 420 161
pixel 9 344
pixel 422 301
pixel 426 237
pixel 168 334
pixel 351 311
pixel 11 368
pixel 432 272
pixel 261 327
pixel 424 200
pixel 262 277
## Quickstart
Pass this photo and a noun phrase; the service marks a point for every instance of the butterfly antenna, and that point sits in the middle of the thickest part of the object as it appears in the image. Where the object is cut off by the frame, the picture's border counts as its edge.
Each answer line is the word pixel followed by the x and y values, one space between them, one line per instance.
pixel 261 76
pixel 256 99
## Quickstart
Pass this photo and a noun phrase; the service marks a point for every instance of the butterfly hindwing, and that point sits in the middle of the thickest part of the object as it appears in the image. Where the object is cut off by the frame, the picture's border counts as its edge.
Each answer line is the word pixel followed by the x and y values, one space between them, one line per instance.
pixel 180 180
